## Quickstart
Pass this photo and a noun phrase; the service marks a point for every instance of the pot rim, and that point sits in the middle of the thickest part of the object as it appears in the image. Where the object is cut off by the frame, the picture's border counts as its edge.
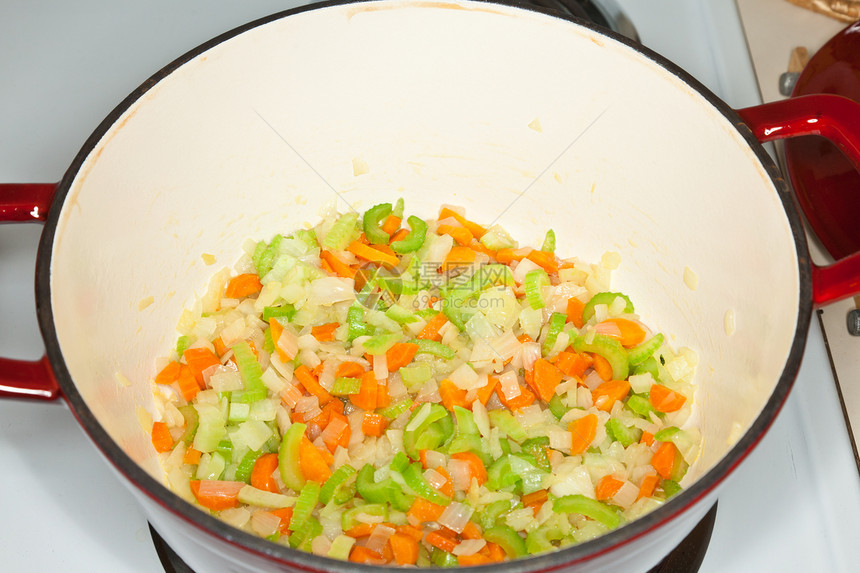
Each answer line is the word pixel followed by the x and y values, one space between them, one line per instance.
pixel 606 543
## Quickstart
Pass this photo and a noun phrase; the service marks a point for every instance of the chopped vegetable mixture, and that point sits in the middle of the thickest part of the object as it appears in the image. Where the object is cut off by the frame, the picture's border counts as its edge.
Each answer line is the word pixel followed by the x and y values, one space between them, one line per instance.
pixel 402 391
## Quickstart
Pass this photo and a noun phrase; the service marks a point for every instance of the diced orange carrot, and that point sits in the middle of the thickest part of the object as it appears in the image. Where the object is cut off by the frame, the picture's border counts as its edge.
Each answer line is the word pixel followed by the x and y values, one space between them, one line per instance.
pixel 602 366
pixel 647 438
pixel 573 363
pixel 431 329
pixel 479 247
pixel 607 487
pixel 398 236
pixel 285 515
pixel 337 266
pixel 400 355
pixel 460 234
pixel 471 531
pixel 574 311
pixel 405 549
pixel 188 385
pixel 507 256
pixel 484 392
pixel 366 397
pixel 374 424
pixel 360 530
pixel 423 510
pixel 277 330
pixel 216 495
pixel 372 254
pixel 452 395
pixel 545 379
pixel 547 261
pixel 361 554
pixel 391 224
pixel 332 439
pixel 443 542
pixel 243 285
pixel 477 469
pixel 525 397
pixel 474 228
pixel 161 438
pixel 648 485
pixel 169 374
pixel 261 474
pixel 627 332
pixel 349 370
pixel 473 559
pixel 459 256
pixel 312 463
pixel 309 382
pixel 664 458
pixel 523 338
pixel 496 553
pixel 199 360
pixel 410 531
pixel 535 500
pixel 383 400
pixel 605 395
pixel 583 430
pixel 665 400
pixel 325 332
pixel 191 457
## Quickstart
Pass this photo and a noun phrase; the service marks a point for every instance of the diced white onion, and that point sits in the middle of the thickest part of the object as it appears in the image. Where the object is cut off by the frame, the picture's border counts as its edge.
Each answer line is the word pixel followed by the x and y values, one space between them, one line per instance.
pixel 320 545
pixel 288 342
pixel 309 358
pixel 307 404
pixel 236 516
pixel 530 353
pixel 592 380
pixel 469 547
pixel 465 377
pixel 608 328
pixel 435 479
pixel 377 540
pixel 522 269
pixel 559 440
pixel 641 383
pixel 460 474
pixel 481 417
pixel 307 342
pixel 264 523
pixel 333 429
pixel 327 376
pixel 456 516
pixel 291 394
pixel 434 458
pixel 510 385
pixel 225 380
pixel 328 290
pixel 626 495
pixel 380 367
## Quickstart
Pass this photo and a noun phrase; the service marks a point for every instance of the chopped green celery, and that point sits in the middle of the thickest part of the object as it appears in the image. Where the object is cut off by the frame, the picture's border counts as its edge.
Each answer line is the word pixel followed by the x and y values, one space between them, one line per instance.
pixel 604 298
pixel 355 322
pixel 416 374
pixel 423 557
pixel 465 421
pixel 505 445
pixel 302 538
pixel 379 344
pixel 211 427
pixel 346 494
pixel 557 407
pixel 426 313
pixel 492 512
pixel 267 258
pixel 649 365
pixel 588 507
pixel 397 210
pixel 441 558
pixel 182 344
pixel 454 313
pixel 225 448
pixel 264 498
pixel 400 315
pixel 285 310
pixel 640 405
pixel 251 373
pixel 345 386
pixel 670 487
pixel 341 547
pixel 214 469
pixel 373 218
pixel 308 498
pixel 525 466
pixel 469 443
pixel 507 539
pixel 507 424
pixel 415 239
pixel 413 475
pixel 540 540
pixel 549 242
pixel 239 412
pixel 308 237
pixel 625 435
pixel 556 324
pixel 370 490
pixel 434 348
pixel 335 483
pixel 669 434
pixel 610 349
pixel 429 427
pixel 191 422
pixel 288 457
pixel 534 282
pixel 641 352
pixel 500 475
pixel 497 238
pixel 243 470
pixel 258 254
pixel 536 447
pixel 341 233
pixel 348 519
pixel 268 342
pixel 397 409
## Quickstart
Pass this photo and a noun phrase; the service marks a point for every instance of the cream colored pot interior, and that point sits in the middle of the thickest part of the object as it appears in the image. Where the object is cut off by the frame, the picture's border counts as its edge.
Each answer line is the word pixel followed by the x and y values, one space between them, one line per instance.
pixel 518 117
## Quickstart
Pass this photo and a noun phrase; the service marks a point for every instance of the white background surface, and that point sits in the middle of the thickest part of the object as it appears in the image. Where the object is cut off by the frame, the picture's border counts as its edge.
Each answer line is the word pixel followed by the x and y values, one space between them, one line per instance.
pixel 792 506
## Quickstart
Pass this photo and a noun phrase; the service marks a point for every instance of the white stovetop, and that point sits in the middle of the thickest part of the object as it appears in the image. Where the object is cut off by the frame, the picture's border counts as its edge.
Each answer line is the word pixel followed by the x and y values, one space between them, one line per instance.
pixel 792 506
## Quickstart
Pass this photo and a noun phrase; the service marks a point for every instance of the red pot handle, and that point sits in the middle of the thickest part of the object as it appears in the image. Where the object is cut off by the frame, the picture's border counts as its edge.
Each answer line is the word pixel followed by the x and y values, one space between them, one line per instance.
pixel 21 203
pixel 838 119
